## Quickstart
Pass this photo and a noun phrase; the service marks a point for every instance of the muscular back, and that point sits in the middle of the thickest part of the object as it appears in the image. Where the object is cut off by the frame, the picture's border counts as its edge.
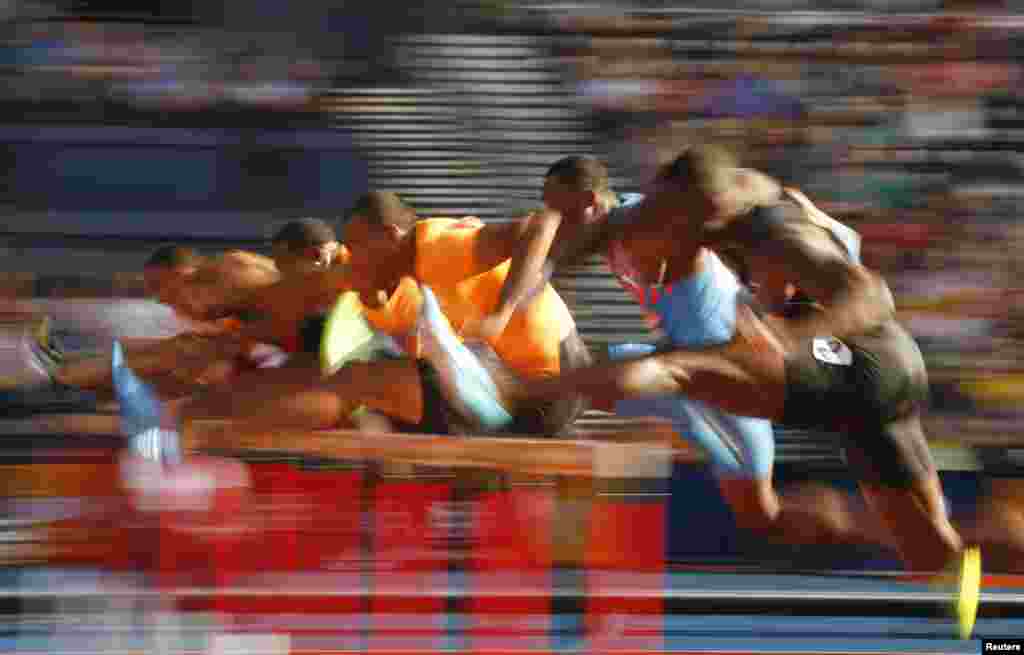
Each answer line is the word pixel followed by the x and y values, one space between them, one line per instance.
pixel 789 243
pixel 242 271
pixel 220 282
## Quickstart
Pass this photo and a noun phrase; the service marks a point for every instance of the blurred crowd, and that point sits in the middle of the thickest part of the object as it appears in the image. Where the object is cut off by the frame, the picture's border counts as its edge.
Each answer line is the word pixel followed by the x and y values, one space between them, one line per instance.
pixel 163 68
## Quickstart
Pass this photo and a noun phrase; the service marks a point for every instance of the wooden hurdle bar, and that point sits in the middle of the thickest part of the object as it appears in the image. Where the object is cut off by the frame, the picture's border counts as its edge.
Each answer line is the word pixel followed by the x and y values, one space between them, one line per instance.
pixel 647 454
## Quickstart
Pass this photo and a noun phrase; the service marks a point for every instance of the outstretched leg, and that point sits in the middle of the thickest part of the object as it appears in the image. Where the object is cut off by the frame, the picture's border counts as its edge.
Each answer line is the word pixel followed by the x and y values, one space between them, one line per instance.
pixel 746 376
pixel 997 525
pixel 805 514
pixel 294 398
pixel 917 520
pixel 741 451
pixel 901 485
pixel 183 357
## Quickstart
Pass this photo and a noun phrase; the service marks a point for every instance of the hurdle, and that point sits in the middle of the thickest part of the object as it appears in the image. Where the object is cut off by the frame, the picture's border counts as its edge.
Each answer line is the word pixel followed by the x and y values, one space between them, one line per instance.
pixel 398 531
pixel 644 456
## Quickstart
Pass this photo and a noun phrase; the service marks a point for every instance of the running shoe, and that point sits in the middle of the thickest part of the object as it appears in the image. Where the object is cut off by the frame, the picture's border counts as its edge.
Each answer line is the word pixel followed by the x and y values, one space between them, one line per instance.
pixel 40 351
pixel 142 414
pixel 968 590
pixel 464 380
pixel 35 391
pixel 346 336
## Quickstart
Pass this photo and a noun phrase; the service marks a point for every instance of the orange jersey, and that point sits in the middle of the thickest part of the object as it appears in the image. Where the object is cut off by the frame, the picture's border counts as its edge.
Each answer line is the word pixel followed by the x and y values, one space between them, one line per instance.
pixel 530 344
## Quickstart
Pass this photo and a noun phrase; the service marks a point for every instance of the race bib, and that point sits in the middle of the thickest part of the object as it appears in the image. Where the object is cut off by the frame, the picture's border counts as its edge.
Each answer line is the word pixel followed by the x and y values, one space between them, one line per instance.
pixel 831 351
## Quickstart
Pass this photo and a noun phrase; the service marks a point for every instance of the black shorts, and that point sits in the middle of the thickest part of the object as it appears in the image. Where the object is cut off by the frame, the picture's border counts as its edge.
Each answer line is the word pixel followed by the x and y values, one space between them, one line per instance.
pixel 547 419
pixel 554 418
pixel 871 391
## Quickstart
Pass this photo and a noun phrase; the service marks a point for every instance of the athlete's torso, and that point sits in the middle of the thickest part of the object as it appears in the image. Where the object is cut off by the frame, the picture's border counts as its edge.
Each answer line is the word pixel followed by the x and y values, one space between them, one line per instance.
pixel 749 240
pixel 445 250
pixel 673 305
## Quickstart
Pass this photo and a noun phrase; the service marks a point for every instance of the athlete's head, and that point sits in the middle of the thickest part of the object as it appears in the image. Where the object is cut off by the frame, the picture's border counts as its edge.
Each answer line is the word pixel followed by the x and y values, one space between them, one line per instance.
pixel 304 245
pixel 577 186
pixel 166 271
pixel 374 234
pixel 699 183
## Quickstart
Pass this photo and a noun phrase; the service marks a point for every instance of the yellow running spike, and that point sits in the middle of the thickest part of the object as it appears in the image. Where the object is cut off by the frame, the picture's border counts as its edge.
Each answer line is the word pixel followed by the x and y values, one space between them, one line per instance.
pixel 41 332
pixel 345 334
pixel 968 591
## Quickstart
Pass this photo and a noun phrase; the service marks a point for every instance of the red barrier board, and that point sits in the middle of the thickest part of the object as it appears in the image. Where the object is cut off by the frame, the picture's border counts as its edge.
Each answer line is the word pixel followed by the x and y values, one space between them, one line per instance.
pixel 409 551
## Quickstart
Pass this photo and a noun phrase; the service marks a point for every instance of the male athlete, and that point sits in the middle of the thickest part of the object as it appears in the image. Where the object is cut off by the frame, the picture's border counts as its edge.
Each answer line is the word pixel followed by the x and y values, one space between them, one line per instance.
pixel 243 323
pixel 841 364
pixel 217 348
pixel 174 276
pixel 207 353
pixel 392 255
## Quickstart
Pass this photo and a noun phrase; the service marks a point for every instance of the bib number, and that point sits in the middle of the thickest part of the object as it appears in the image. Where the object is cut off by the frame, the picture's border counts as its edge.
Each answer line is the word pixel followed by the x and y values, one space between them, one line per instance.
pixel 831 351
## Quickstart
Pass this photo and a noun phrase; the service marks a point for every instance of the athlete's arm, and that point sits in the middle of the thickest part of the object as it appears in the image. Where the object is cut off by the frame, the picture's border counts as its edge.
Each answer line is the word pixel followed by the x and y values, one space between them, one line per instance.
pixel 532 242
pixel 494 243
pixel 537 246
pixel 852 298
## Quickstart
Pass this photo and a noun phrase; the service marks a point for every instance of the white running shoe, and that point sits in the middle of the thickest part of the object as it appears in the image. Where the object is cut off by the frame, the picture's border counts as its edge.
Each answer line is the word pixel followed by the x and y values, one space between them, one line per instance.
pixel 142 414
pixel 465 383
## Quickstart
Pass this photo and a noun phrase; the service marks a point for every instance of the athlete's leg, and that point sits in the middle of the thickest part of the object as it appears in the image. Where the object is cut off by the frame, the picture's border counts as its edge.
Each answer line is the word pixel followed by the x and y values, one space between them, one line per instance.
pixel 997 522
pixel 998 526
pixel 740 450
pixel 746 377
pixel 916 519
pixel 295 398
pixel 183 357
pixel 805 513
pixel 901 485
pixel 808 513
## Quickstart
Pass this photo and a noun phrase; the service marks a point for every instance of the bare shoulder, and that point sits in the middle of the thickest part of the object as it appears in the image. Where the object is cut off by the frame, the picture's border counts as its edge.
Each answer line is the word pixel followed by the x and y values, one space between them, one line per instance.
pixel 245 259
pixel 791 236
pixel 239 266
